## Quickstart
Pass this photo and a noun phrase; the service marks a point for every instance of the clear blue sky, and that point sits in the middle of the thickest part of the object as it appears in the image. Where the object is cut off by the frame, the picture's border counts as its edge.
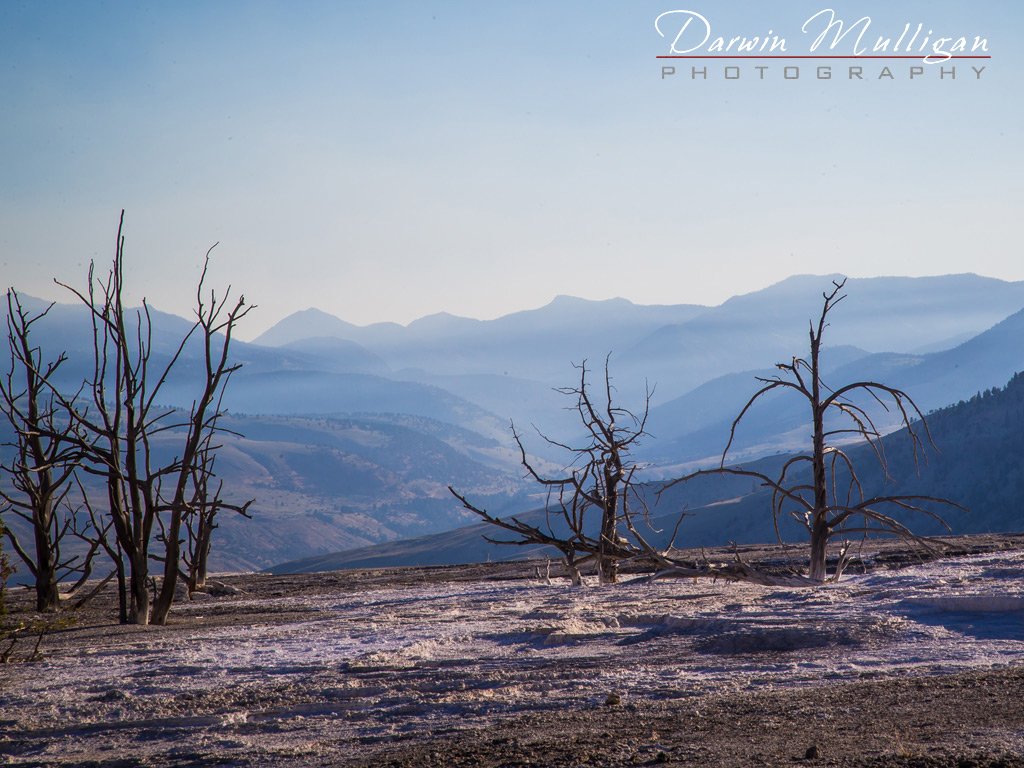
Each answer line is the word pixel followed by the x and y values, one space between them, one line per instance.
pixel 383 161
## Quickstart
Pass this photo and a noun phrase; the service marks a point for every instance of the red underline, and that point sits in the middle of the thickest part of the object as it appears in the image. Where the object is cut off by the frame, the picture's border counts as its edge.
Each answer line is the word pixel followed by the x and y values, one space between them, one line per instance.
pixel 918 57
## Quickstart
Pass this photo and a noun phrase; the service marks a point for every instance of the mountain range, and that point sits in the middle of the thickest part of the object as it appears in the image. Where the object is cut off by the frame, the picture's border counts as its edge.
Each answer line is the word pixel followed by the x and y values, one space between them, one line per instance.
pixel 353 432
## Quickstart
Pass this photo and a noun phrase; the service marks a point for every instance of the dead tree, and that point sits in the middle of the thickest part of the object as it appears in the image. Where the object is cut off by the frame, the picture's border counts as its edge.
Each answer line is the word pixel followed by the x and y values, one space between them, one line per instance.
pixel 592 502
pixel 42 460
pixel 205 503
pixel 118 423
pixel 215 321
pixel 821 489
pixel 122 421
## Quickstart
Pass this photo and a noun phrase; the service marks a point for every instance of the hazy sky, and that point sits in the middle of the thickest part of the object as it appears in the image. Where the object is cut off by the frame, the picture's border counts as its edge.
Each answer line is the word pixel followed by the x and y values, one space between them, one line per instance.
pixel 383 161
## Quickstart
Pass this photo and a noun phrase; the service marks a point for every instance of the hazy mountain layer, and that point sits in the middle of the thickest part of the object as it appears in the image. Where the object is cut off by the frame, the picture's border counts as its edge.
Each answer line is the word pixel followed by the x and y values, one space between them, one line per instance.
pixel 508 365
pixel 695 427
pixel 976 462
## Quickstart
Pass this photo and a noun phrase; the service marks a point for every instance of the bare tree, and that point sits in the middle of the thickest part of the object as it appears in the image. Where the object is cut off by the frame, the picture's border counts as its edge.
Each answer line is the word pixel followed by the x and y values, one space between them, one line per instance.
pixel 587 509
pixel 119 423
pixel 122 422
pixel 216 321
pixel 200 519
pixel 821 489
pixel 42 460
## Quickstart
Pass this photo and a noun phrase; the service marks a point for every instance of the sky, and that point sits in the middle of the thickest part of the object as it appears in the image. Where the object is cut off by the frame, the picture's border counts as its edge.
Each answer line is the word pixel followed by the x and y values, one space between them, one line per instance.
pixel 386 161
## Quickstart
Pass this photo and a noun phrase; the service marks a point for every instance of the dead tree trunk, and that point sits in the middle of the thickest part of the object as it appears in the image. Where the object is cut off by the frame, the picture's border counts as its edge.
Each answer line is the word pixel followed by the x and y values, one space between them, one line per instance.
pixel 607 564
pixel 819 527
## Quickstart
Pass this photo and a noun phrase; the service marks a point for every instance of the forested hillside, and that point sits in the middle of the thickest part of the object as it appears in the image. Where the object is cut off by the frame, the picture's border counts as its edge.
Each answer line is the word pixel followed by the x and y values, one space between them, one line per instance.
pixel 978 460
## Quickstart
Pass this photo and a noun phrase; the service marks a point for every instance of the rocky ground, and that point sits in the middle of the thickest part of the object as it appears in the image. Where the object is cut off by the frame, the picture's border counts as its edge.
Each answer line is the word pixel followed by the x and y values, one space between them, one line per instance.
pixel 907 662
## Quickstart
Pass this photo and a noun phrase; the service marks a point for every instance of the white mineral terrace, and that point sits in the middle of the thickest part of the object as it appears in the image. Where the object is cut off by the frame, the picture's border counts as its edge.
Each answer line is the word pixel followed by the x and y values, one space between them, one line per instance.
pixel 379 661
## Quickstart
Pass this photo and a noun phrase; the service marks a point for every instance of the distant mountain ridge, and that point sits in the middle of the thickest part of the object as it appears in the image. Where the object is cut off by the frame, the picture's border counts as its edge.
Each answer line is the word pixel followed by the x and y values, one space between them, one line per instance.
pixel 696 425
pixel 559 311
pixel 538 344
pixel 678 346
pixel 315 323
pixel 891 314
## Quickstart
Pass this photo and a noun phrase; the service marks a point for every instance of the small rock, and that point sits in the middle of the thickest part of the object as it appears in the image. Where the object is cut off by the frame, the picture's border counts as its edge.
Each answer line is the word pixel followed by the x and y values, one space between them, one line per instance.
pixel 613 700
pixel 220 589
pixel 812 753
pixel 661 757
